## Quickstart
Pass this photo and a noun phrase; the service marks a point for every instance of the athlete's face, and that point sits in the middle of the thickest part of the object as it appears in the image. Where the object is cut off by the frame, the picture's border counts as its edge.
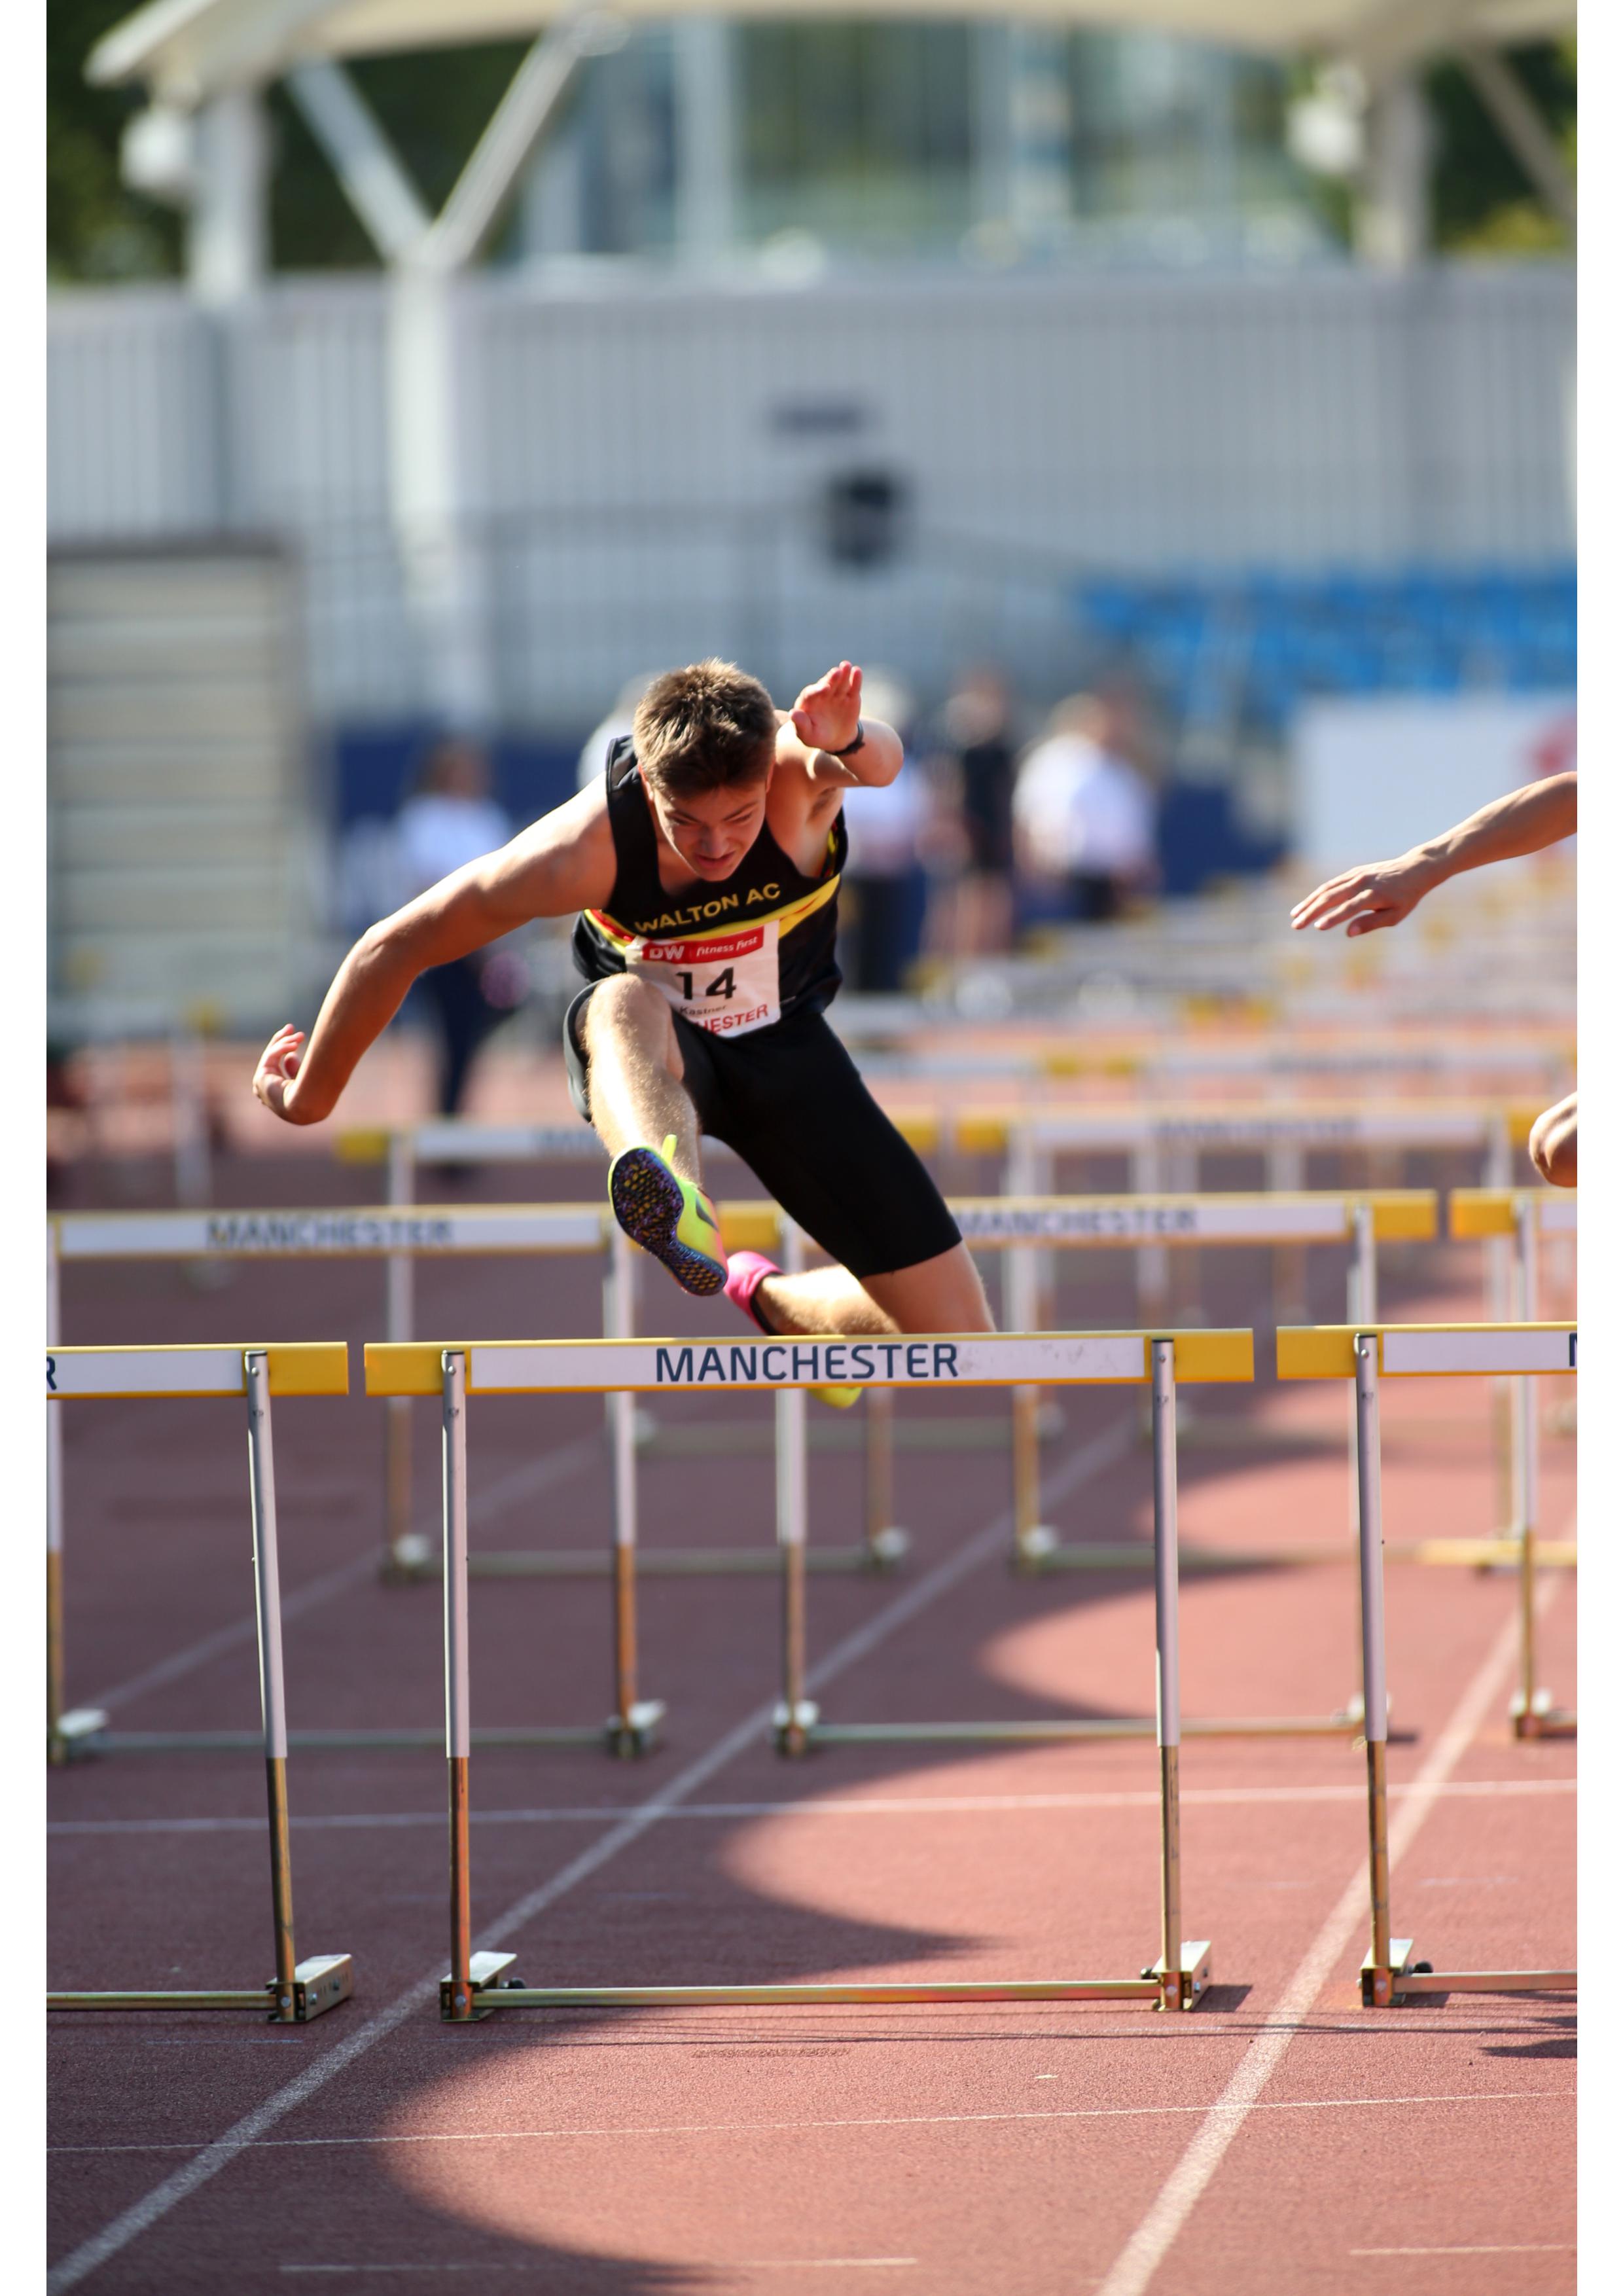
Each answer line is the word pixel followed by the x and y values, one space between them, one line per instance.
pixel 712 829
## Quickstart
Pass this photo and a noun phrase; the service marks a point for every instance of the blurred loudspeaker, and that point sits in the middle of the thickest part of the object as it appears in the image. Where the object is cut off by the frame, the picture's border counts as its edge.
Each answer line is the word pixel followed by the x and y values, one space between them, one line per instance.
pixel 863 513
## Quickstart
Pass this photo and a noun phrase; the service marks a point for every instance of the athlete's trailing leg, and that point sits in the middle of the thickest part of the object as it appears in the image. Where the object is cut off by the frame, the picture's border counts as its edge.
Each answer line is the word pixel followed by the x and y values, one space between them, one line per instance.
pixel 943 1294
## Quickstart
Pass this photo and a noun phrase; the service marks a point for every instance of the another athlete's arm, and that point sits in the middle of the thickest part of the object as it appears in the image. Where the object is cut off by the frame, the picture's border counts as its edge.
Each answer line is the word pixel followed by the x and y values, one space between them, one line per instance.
pixel 1540 814
pixel 563 863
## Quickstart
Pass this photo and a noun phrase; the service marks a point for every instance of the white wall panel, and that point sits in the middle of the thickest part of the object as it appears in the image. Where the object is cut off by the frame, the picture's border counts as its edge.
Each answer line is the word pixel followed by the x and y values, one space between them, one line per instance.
pixel 627 461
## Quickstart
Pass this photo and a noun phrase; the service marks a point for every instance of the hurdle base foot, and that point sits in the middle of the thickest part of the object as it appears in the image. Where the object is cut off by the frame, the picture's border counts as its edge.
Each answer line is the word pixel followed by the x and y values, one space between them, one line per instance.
pixel 319 1984
pixel 1034 1548
pixel 792 1728
pixel 1423 1980
pixel 1380 1988
pixel 485 1973
pixel 886 1548
pixel 1541 1718
pixel 636 1732
pixel 1182 1987
pixel 79 1734
pixel 410 1559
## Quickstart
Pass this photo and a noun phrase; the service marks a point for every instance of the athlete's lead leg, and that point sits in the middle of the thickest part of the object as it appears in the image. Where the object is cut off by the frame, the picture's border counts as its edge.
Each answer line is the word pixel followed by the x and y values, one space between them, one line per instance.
pixel 635 1064
pixel 647 1121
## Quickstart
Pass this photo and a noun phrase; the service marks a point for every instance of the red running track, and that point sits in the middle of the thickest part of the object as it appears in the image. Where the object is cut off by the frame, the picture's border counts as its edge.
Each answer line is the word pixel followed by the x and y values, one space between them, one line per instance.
pixel 1281 2138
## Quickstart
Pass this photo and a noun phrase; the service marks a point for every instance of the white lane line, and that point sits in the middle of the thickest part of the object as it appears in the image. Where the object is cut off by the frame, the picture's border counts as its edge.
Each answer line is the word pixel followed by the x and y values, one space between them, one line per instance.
pixel 892 2121
pixel 717 2264
pixel 1139 2261
pixel 208 1647
pixel 919 1805
pixel 1497 2248
pixel 523 1482
pixel 984 1547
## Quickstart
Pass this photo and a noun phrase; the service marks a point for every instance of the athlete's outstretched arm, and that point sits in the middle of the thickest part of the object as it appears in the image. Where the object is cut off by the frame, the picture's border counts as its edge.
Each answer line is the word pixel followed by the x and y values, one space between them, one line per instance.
pixel 825 719
pixel 563 863
pixel 1364 900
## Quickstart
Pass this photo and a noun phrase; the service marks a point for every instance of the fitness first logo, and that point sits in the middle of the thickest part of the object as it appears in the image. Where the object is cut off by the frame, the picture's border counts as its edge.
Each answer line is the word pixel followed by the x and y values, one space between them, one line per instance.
pixel 818 1362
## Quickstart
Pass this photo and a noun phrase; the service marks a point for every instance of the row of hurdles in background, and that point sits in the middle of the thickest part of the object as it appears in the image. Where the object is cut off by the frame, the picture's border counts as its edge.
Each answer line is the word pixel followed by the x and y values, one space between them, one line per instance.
pixel 474 1985
pixel 1023 1229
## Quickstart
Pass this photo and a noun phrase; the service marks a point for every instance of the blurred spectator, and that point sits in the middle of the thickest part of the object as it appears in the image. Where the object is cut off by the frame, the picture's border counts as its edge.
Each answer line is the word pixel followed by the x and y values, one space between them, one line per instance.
pixel 881 920
pixel 975 773
pixel 449 820
pixel 594 749
pixel 1084 817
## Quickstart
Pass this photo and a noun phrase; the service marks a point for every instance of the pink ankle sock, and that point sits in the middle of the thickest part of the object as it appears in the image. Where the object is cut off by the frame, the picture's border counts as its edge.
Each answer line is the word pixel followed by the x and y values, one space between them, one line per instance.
pixel 746 1271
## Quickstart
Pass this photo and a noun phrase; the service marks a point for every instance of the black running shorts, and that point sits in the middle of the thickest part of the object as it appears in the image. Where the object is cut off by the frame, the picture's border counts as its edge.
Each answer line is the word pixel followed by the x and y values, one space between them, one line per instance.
pixel 790 1100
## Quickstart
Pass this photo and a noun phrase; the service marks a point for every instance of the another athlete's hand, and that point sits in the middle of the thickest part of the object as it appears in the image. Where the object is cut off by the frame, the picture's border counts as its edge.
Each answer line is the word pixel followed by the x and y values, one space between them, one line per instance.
pixel 826 715
pixel 1367 899
pixel 278 1067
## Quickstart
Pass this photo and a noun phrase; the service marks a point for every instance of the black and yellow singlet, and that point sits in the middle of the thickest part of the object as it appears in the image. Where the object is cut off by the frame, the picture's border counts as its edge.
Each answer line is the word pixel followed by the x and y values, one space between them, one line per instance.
pixel 732 957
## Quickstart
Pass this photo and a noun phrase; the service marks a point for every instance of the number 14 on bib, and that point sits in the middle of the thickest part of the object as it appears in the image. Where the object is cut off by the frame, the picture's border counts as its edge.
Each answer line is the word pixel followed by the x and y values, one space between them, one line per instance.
pixel 727 984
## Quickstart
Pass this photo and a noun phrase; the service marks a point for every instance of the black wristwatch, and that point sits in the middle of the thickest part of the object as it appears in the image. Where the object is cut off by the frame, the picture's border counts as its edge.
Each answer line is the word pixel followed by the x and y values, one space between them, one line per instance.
pixel 851 748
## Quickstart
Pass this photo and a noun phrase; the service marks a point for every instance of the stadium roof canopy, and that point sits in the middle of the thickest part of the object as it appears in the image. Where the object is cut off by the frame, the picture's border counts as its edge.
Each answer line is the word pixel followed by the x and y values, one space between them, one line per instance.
pixel 187 50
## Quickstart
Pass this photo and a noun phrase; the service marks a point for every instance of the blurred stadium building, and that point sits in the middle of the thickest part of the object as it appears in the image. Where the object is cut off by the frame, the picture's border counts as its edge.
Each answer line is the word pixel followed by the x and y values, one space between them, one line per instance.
pixel 807 334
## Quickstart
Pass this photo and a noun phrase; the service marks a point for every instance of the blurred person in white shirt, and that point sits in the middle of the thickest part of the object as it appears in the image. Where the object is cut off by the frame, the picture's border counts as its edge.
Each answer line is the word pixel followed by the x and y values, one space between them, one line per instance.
pixel 1083 816
pixel 451 819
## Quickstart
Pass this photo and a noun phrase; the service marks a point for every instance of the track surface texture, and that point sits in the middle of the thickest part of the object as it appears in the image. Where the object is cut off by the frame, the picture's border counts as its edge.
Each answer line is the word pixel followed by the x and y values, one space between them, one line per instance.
pixel 1279 2138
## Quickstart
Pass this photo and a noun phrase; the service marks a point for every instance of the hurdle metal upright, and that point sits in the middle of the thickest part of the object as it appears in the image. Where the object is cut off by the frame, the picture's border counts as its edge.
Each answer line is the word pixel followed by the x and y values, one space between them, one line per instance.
pixel 299 1989
pixel 1524 1214
pixel 478 1984
pixel 1390 1972
pixel 398 1238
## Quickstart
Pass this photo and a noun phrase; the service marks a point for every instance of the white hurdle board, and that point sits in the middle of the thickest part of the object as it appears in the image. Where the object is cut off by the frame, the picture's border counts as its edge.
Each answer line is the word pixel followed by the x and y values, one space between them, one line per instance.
pixel 1442 1352
pixel 357 1233
pixel 653 1367
pixel 1417 1124
pixel 1330 1216
pixel 320 1367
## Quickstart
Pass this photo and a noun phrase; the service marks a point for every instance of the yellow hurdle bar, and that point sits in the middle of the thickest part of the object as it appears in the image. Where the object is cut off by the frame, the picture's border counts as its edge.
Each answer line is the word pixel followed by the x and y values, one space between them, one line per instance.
pixel 1524 1351
pixel 300 1990
pixel 1494 1211
pixel 476 1985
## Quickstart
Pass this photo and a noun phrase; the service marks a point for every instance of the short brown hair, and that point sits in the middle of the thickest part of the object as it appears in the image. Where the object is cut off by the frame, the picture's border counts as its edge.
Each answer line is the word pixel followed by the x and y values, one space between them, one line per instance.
pixel 704 727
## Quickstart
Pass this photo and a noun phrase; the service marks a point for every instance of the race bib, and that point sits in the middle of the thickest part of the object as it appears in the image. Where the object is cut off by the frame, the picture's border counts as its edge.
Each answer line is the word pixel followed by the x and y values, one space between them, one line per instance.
pixel 728 985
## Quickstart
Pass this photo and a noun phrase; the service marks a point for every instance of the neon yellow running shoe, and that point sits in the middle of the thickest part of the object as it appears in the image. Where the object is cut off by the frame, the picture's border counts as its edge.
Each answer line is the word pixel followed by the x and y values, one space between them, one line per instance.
pixel 671 1218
